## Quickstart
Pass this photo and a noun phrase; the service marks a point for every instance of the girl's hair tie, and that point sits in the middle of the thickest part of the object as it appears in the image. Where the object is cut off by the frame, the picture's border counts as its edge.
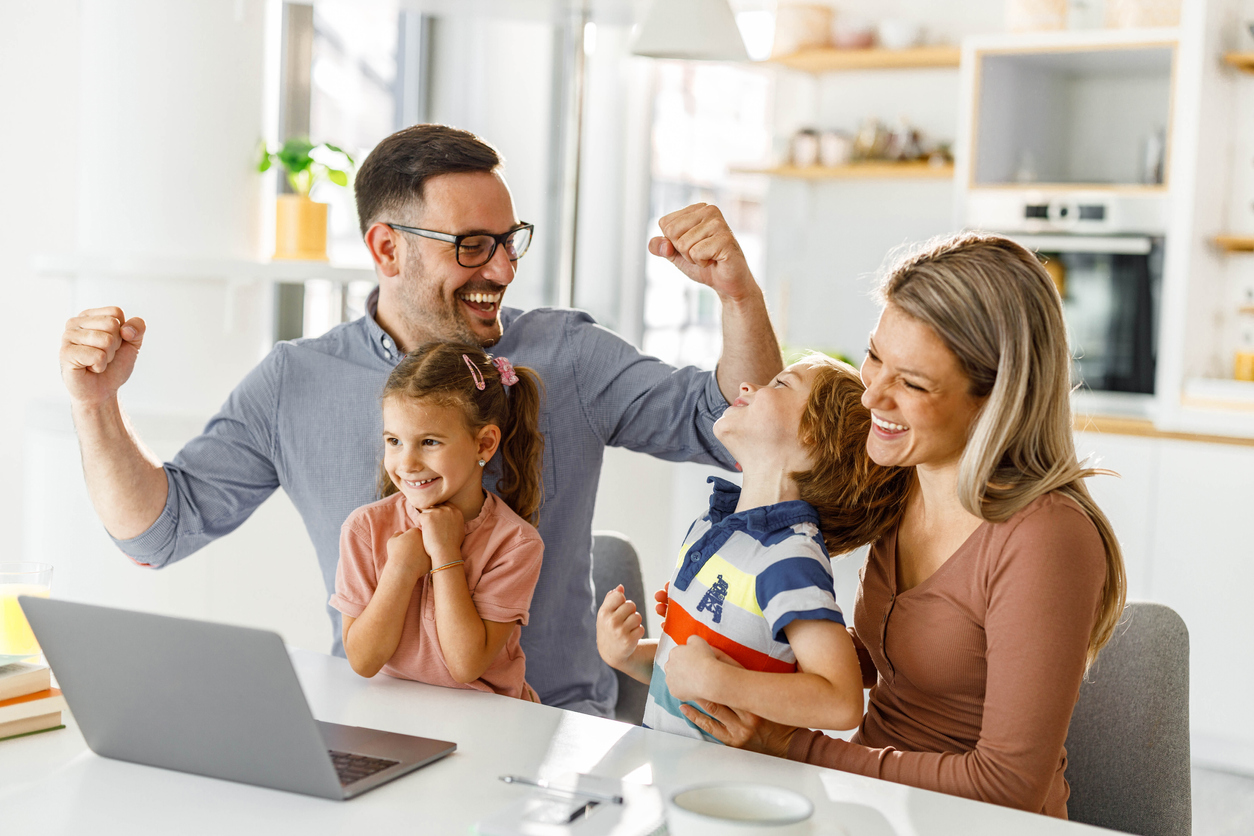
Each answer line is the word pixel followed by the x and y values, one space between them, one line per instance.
pixel 508 376
pixel 474 373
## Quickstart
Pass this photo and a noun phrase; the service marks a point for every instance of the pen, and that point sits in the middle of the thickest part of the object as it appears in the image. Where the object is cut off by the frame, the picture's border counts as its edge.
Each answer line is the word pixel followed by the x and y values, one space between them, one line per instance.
pixel 545 785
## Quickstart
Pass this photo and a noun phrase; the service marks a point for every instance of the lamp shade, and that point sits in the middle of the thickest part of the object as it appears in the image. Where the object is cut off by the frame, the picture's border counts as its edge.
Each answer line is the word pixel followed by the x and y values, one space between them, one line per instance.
pixel 700 30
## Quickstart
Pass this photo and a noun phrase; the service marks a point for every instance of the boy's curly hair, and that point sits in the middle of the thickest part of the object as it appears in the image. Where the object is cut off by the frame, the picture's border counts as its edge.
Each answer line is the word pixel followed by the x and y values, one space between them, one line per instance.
pixel 858 501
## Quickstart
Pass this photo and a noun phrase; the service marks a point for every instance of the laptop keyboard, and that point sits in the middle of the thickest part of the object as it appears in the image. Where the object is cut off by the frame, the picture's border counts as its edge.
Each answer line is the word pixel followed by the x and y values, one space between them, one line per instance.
pixel 351 768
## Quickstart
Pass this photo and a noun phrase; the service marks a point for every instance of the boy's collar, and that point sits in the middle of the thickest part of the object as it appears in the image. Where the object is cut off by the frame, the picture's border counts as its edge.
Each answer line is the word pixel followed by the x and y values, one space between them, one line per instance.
pixel 763 519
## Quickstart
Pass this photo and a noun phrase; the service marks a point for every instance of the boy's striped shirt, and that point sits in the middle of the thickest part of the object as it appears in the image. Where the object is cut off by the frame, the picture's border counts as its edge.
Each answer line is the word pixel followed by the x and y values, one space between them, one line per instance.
pixel 740 580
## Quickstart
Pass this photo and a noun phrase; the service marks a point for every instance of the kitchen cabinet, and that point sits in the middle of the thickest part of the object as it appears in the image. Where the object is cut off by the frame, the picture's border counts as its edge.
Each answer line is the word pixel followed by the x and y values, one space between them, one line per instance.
pixel 1181 510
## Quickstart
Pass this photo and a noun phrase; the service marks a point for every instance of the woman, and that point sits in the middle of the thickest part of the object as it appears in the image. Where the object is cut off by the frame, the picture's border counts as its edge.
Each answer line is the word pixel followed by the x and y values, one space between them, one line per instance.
pixel 978 615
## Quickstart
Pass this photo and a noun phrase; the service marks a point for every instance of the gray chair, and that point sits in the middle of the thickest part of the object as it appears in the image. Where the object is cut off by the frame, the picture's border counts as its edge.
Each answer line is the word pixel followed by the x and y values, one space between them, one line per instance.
pixel 614 561
pixel 1128 744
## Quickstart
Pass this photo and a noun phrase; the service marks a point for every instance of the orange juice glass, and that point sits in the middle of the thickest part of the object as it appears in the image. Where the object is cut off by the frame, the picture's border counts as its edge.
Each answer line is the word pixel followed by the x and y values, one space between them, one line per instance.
pixel 16 638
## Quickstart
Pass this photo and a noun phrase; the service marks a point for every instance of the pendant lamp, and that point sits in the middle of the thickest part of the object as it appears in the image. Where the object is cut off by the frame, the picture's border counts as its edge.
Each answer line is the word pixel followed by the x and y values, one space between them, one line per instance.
pixel 696 30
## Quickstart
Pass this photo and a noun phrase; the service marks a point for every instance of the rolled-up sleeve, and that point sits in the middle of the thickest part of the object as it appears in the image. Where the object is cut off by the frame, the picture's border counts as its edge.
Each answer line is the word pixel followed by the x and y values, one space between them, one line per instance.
pixel 220 477
pixel 636 401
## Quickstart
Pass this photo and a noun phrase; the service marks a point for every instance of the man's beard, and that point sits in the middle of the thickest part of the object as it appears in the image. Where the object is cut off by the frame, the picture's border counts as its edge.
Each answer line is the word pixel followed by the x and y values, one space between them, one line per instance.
pixel 427 314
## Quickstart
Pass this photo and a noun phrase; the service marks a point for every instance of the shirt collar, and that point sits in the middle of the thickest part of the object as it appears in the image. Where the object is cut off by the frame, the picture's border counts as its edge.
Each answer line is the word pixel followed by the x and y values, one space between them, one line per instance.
pixel 764 519
pixel 380 341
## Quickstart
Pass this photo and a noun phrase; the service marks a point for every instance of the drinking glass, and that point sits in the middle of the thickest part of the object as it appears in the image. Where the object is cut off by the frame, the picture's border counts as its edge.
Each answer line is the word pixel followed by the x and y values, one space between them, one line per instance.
pixel 16 638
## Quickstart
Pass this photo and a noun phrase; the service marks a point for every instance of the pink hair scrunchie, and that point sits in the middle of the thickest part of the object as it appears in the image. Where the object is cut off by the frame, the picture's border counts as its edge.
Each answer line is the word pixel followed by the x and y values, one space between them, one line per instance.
pixel 508 376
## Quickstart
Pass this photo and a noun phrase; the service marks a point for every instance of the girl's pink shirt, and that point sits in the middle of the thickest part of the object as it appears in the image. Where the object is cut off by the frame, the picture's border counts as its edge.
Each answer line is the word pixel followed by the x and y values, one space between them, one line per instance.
pixel 502 553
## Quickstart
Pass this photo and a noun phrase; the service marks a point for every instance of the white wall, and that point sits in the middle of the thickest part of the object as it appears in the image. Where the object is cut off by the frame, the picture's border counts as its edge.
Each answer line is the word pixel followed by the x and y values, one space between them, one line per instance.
pixel 39 144
pixel 115 112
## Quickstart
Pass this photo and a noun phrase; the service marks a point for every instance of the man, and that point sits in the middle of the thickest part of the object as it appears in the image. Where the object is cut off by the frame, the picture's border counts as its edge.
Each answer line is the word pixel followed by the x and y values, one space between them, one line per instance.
pixel 439 222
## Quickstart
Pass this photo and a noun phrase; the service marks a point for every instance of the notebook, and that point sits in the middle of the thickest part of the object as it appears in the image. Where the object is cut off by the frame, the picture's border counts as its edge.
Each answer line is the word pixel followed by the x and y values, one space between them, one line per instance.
pixel 209 699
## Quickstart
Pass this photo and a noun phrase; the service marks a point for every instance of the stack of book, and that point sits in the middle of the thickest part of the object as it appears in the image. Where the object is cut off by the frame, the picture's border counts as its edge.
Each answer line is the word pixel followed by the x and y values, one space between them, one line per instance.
pixel 28 702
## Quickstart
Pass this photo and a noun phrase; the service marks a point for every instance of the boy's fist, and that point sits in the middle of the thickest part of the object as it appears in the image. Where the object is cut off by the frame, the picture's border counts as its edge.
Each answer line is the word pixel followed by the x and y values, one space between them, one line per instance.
pixel 619 628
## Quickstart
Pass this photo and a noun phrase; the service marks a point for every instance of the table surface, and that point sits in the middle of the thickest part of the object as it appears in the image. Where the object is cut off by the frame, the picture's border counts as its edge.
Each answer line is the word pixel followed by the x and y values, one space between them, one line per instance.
pixel 52 783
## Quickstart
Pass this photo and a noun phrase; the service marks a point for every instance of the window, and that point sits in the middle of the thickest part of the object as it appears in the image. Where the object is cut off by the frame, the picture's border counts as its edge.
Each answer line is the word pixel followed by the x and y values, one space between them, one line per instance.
pixel 706 118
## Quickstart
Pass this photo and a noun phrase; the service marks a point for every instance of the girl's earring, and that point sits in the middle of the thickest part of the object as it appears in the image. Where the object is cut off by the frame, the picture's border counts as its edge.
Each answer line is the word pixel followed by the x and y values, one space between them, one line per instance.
pixel 482 462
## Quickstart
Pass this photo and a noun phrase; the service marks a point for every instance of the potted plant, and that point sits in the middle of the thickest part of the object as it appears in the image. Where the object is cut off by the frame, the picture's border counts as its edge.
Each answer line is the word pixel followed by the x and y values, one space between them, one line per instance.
pixel 300 224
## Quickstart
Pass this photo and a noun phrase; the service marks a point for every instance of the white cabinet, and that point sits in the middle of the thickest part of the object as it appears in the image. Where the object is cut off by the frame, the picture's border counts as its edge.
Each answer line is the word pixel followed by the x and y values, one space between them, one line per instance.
pixel 1203 567
pixel 1184 514
pixel 1128 498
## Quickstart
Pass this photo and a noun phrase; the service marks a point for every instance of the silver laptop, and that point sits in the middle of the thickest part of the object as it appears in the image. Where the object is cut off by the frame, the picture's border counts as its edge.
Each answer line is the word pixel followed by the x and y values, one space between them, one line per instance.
pixel 210 699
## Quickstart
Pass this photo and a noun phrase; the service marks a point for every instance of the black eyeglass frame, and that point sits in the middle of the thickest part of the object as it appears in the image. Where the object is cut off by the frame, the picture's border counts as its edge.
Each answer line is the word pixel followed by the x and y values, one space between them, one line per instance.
pixel 456 240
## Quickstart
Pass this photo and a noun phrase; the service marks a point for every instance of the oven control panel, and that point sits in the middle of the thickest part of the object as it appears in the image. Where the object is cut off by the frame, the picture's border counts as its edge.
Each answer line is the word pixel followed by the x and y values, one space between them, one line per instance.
pixel 1076 213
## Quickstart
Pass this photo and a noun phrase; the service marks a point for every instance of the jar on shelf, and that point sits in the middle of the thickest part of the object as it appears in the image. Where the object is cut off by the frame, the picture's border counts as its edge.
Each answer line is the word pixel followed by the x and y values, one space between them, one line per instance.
pixel 1035 15
pixel 1128 14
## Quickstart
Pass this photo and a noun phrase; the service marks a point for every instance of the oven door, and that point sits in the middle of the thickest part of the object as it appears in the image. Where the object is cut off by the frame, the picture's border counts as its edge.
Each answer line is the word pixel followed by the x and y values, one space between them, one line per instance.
pixel 1110 288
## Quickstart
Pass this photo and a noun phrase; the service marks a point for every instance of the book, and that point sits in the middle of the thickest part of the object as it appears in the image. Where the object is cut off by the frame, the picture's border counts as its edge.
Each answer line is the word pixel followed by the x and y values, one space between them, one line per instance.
pixel 20 679
pixel 31 725
pixel 32 705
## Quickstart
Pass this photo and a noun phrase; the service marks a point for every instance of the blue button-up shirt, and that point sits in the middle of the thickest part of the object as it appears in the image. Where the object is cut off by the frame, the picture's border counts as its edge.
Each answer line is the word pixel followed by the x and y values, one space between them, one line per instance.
pixel 308 419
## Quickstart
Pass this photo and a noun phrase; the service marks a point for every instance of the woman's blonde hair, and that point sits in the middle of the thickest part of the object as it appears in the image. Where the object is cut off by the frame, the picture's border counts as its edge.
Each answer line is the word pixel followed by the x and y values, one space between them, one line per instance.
pixel 993 305
pixel 857 500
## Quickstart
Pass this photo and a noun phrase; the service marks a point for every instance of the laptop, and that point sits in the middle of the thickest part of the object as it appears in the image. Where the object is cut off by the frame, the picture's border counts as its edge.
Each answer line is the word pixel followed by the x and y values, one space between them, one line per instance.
pixel 209 699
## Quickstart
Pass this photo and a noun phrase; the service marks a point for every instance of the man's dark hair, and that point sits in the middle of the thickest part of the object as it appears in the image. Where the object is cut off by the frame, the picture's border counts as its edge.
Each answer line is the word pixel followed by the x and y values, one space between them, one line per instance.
pixel 397 169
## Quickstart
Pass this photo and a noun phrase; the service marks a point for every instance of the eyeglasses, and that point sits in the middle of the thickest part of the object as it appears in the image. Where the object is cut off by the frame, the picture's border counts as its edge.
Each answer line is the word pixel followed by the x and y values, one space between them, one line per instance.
pixel 477 249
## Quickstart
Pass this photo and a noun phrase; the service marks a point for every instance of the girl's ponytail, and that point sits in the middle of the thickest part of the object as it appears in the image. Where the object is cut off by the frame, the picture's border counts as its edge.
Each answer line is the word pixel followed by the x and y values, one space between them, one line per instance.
pixel 522 447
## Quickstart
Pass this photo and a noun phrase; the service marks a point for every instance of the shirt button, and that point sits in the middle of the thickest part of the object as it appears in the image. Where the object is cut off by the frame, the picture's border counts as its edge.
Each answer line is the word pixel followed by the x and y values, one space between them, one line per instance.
pixel 387 343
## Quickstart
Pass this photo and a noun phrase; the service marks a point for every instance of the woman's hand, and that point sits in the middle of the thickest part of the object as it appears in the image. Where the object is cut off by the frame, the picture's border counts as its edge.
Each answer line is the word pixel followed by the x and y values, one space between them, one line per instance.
pixel 740 729
pixel 443 529
pixel 406 551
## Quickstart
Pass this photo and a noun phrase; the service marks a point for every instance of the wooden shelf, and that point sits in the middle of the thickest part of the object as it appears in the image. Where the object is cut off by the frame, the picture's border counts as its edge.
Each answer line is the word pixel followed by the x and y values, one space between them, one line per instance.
pixel 1243 61
pixel 921 170
pixel 1235 243
pixel 835 60
pixel 1120 425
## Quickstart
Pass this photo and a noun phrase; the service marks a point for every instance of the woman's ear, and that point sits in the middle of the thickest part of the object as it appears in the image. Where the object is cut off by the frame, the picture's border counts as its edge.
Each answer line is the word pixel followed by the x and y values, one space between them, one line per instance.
pixel 489 439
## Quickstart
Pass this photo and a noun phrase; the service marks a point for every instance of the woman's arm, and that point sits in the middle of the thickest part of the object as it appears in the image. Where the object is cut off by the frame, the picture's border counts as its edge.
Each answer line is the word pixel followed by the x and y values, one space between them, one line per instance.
pixel 1043 593
pixel 371 638
pixel 825 692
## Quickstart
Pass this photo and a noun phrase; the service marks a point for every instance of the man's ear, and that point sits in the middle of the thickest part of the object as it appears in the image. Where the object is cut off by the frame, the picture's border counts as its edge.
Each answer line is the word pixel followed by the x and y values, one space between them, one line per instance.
pixel 489 439
pixel 385 248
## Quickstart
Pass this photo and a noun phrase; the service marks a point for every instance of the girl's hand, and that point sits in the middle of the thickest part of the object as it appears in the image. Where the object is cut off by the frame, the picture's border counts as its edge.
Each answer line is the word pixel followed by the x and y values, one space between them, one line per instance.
pixel 443 529
pixel 740 729
pixel 690 668
pixel 407 551
pixel 619 628
pixel 662 596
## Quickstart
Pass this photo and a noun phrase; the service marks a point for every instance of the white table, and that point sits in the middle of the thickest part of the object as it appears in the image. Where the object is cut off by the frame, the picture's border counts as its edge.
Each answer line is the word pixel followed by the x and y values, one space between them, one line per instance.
pixel 52 783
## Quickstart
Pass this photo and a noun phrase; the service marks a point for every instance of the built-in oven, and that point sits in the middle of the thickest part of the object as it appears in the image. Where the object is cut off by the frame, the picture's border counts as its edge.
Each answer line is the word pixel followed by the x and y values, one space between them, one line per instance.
pixel 1104 251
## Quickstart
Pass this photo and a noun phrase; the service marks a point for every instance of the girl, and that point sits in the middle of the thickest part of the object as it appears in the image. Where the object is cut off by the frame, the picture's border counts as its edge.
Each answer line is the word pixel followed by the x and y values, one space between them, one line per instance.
pixel 752 618
pixel 435 579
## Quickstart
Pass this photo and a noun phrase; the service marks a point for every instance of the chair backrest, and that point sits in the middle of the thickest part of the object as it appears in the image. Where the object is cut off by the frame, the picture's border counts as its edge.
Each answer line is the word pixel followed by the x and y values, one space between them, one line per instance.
pixel 1128 744
pixel 614 561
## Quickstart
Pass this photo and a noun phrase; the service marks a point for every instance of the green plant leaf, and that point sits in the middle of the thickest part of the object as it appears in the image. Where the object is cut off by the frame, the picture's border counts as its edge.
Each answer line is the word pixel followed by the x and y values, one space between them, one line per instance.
pixel 337 177
pixel 339 150
pixel 263 163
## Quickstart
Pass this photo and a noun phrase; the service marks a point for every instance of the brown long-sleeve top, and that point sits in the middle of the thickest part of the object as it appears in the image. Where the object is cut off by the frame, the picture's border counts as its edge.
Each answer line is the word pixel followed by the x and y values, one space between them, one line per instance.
pixel 979 666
